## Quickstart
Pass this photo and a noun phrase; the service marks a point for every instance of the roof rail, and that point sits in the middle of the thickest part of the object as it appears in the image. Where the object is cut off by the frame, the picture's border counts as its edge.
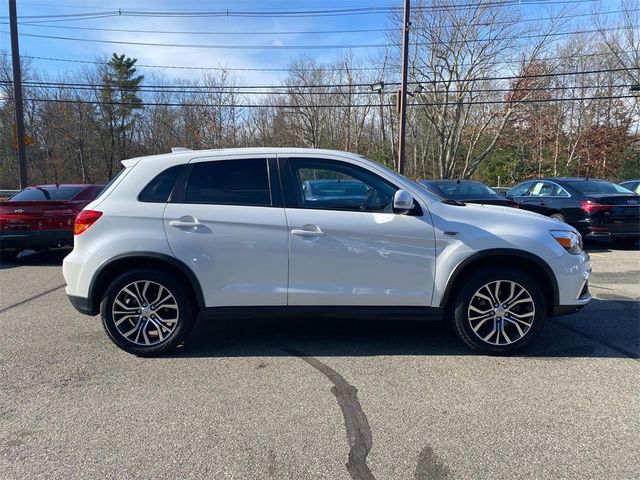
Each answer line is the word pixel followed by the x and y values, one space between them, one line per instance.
pixel 180 149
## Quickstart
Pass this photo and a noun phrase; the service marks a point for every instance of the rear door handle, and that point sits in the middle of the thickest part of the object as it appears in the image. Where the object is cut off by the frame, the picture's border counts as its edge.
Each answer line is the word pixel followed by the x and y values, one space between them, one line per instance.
pixel 185 222
pixel 308 230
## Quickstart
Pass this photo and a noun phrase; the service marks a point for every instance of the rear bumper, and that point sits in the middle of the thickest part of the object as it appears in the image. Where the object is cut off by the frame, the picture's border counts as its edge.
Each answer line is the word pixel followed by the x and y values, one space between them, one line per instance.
pixel 83 305
pixel 35 239
pixel 611 228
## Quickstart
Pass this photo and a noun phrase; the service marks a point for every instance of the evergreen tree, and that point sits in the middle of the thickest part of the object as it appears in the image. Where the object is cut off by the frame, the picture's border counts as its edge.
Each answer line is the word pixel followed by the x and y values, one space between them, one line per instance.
pixel 119 94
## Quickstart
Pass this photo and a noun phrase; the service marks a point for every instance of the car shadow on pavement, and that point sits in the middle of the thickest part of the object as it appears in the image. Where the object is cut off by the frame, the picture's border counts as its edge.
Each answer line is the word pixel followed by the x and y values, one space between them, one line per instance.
pixel 606 328
pixel 45 258
pixel 594 246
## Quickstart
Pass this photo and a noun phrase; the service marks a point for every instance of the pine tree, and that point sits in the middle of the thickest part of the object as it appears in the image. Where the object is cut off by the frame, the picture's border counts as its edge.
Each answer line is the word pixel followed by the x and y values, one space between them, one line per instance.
pixel 120 88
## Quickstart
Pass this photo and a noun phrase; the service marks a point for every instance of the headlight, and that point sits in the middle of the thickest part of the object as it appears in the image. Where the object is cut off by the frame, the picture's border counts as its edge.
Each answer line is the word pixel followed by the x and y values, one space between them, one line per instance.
pixel 570 241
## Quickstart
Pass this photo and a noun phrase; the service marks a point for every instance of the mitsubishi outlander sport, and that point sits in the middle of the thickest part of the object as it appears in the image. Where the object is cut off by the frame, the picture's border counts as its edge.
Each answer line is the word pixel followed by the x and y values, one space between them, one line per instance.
pixel 193 234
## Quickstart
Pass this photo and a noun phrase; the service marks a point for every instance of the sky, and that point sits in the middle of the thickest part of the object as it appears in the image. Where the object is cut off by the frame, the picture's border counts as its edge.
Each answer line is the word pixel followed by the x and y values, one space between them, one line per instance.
pixel 244 30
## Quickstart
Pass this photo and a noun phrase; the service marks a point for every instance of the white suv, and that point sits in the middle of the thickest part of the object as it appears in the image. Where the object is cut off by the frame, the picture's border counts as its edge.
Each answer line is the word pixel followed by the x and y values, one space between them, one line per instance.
pixel 196 233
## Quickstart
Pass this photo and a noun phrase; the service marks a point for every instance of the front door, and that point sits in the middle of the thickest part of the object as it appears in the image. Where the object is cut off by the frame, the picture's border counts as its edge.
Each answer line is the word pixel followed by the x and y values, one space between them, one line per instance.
pixel 346 245
pixel 225 224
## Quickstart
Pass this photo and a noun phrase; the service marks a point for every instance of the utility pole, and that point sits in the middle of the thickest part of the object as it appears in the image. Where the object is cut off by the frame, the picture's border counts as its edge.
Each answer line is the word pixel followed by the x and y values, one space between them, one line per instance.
pixel 403 86
pixel 17 95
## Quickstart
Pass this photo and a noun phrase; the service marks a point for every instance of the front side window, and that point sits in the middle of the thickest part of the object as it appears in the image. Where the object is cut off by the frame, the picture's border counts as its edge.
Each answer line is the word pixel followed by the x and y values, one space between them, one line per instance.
pixel 229 182
pixel 334 185
pixel 519 190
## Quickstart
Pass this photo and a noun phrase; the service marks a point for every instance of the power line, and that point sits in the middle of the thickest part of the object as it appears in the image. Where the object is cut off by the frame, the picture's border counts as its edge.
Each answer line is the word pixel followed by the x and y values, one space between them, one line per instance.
pixel 434 104
pixel 196 89
pixel 302 12
pixel 282 69
pixel 301 32
pixel 318 47
pixel 350 85
pixel 191 32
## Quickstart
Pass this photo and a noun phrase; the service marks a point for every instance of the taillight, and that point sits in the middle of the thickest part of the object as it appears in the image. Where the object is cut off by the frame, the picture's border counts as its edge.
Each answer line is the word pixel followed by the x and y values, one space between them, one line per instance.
pixel 591 207
pixel 84 220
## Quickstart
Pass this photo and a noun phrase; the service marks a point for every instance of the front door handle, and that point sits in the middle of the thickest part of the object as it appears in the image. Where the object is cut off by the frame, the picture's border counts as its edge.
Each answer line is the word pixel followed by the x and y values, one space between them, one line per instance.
pixel 308 230
pixel 185 222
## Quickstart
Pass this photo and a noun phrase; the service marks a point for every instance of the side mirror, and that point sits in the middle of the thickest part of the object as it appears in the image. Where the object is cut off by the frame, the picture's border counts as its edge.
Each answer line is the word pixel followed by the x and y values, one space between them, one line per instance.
pixel 402 202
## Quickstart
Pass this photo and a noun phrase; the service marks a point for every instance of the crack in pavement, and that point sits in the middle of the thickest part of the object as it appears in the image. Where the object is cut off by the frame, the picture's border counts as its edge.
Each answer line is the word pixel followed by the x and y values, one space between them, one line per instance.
pixel 358 430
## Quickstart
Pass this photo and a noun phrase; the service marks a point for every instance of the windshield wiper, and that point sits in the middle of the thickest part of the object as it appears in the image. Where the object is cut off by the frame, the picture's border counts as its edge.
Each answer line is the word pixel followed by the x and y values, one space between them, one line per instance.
pixel 451 201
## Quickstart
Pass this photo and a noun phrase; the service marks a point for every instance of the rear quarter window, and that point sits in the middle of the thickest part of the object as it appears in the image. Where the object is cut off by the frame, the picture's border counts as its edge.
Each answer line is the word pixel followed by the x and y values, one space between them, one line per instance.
pixel 159 189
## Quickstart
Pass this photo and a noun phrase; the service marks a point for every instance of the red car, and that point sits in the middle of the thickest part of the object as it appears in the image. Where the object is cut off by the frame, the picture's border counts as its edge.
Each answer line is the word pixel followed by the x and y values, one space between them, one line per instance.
pixel 42 217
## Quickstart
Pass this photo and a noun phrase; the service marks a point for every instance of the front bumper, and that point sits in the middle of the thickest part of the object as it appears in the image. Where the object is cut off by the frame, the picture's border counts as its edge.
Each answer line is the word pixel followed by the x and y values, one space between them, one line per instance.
pixel 572 273
pixel 35 239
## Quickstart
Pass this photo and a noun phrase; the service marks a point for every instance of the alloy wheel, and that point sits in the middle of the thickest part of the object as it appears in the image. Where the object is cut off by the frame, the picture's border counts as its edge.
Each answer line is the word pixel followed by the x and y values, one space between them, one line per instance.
pixel 145 313
pixel 501 312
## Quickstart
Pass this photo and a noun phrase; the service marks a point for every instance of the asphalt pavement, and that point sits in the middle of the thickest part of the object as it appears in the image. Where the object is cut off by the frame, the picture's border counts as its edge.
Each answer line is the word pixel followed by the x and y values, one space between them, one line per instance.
pixel 301 399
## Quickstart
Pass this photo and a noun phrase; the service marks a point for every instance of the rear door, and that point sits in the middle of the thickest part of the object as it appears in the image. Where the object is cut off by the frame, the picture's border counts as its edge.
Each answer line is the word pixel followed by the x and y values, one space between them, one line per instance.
pixel 227 223
pixel 347 246
pixel 545 197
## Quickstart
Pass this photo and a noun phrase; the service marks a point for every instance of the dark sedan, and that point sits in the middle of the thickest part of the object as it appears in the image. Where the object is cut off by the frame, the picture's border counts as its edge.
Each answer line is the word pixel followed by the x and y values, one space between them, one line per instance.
pixel 597 208
pixel 42 217
pixel 468 191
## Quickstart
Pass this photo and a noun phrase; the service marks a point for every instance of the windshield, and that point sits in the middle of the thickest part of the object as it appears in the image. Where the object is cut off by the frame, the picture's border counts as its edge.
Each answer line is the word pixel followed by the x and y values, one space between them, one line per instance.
pixel 39 194
pixel 455 189
pixel 587 187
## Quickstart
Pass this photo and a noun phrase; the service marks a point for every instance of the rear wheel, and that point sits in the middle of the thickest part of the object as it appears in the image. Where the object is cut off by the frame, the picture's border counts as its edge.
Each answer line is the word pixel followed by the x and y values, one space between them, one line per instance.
pixel 8 255
pixel 146 312
pixel 499 312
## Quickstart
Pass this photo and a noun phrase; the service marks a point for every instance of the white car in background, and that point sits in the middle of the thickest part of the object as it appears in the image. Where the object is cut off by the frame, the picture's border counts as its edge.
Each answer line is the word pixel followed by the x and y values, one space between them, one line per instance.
pixel 196 233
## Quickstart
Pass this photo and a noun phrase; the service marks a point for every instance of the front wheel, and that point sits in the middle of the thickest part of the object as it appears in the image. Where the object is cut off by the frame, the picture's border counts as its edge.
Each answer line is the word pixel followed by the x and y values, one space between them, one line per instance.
pixel 499 312
pixel 146 312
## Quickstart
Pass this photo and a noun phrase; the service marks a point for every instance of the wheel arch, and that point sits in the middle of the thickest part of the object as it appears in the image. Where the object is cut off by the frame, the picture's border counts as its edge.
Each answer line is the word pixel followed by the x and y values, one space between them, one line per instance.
pixel 528 262
pixel 158 261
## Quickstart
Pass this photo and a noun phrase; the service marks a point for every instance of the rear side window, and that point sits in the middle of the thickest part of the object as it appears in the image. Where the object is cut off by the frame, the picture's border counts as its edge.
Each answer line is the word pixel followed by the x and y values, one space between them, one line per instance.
pixel 34 194
pixel 159 189
pixel 229 182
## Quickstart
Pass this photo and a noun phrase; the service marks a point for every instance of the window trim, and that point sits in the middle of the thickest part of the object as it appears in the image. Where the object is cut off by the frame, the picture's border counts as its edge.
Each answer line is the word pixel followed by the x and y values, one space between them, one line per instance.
pixel 178 195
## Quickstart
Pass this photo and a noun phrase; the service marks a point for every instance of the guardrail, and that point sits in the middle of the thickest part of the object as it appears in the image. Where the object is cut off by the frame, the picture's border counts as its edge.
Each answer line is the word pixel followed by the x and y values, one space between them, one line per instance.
pixel 7 193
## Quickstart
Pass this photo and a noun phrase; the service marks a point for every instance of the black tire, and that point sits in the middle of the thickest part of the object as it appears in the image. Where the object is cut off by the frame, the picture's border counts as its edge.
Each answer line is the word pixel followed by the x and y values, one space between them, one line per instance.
pixel 8 255
pixel 625 241
pixel 467 297
pixel 559 217
pixel 145 319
